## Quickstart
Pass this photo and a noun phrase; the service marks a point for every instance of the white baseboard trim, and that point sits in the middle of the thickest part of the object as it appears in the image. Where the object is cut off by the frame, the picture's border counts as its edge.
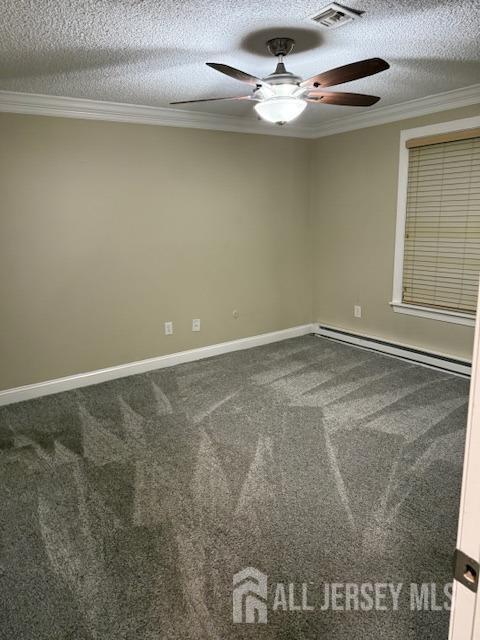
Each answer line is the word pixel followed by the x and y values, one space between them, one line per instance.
pixel 405 352
pixel 30 391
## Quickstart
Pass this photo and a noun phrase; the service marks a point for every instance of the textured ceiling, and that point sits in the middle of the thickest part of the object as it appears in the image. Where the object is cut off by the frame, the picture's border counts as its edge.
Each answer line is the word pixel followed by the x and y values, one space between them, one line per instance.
pixel 153 51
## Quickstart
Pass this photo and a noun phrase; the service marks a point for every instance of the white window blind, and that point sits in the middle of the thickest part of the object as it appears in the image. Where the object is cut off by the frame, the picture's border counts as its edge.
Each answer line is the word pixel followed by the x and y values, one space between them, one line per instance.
pixel 442 233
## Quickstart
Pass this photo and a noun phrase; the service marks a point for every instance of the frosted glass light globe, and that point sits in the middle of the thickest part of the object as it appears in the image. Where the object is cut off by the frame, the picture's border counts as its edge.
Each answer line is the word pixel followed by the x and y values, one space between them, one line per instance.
pixel 280 109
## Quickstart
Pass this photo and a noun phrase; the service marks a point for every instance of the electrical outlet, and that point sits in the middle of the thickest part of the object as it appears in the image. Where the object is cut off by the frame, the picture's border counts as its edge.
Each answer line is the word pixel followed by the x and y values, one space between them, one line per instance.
pixel 196 324
pixel 357 311
pixel 168 328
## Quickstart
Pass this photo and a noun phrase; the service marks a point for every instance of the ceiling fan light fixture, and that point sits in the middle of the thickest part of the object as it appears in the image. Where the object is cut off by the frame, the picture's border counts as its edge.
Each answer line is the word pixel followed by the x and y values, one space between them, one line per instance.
pixel 280 109
pixel 285 89
pixel 282 95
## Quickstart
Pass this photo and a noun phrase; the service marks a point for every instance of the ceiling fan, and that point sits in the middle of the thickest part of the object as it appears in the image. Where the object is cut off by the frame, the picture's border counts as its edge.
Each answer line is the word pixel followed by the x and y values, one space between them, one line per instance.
pixel 282 96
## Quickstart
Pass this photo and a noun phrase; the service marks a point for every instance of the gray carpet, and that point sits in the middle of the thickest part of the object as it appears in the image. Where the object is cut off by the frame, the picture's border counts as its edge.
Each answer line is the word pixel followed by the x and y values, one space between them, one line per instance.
pixel 127 507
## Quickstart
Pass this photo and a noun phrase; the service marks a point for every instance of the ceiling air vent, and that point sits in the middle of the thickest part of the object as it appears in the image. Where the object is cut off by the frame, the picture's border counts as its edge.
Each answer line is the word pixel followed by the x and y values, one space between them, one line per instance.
pixel 334 15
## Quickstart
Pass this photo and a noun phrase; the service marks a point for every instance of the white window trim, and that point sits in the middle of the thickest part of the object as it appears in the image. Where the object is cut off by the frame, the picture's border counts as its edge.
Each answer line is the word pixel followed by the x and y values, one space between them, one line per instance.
pixel 396 303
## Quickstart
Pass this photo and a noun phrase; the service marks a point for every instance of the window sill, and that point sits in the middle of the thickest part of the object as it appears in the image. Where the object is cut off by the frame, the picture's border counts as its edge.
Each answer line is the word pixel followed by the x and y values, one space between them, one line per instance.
pixel 434 314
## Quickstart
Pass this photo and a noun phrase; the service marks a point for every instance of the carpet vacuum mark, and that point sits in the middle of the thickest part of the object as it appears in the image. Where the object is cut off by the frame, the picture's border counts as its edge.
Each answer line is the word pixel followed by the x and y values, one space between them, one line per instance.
pixel 127 507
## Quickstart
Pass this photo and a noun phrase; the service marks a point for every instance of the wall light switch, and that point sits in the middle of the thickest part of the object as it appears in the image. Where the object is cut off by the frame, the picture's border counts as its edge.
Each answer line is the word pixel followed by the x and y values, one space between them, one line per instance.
pixel 357 311
pixel 196 324
pixel 168 328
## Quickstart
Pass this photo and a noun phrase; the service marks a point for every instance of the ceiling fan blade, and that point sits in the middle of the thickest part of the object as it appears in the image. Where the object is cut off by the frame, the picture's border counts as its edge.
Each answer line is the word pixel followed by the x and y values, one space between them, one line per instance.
pixel 235 73
pixel 338 97
pixel 349 72
pixel 212 99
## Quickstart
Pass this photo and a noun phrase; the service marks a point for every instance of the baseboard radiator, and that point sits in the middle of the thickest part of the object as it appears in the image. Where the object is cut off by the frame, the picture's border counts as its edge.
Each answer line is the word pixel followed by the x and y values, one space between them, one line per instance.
pixel 412 354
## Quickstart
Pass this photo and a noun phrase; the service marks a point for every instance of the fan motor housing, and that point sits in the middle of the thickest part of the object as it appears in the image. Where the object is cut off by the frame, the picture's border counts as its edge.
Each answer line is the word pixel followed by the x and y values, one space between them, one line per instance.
pixel 283 78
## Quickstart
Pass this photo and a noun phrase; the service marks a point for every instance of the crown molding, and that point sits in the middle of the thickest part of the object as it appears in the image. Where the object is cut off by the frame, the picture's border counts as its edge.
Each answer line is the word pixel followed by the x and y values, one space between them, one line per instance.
pixel 62 107
pixel 463 97
pixel 85 109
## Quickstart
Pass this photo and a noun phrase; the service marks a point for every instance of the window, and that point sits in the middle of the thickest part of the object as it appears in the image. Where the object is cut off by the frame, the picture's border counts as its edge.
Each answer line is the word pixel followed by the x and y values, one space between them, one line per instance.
pixel 437 252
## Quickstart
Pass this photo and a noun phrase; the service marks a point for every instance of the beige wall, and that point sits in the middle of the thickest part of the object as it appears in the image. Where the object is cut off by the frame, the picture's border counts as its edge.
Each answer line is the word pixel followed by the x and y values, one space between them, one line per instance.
pixel 353 208
pixel 107 230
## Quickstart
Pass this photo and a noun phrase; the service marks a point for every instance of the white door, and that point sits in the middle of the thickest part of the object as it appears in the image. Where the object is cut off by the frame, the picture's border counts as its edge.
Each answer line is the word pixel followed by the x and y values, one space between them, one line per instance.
pixel 465 616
